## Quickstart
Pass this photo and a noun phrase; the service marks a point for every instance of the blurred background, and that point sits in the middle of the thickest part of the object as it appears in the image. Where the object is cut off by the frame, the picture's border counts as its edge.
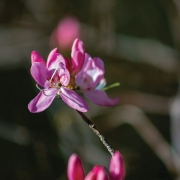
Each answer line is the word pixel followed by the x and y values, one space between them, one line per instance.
pixel 139 42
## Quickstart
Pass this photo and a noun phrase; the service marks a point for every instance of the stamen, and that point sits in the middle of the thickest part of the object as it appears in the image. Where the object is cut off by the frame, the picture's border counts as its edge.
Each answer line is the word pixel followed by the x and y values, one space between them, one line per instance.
pixel 39 87
pixel 53 76
pixel 47 94
pixel 43 90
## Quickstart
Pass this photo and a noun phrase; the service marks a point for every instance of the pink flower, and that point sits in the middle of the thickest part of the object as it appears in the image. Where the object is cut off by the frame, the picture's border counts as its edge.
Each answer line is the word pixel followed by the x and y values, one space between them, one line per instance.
pixel 91 80
pixel 67 30
pixel 54 77
pixel 116 170
pixel 75 63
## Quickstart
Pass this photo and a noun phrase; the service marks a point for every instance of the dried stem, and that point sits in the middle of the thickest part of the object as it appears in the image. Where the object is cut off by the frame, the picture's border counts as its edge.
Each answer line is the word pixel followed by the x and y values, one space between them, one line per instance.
pixel 94 129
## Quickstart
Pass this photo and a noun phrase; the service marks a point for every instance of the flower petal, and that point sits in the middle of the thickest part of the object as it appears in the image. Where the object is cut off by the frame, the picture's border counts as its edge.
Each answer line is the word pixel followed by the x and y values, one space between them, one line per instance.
pixel 36 57
pixel 42 101
pixel 63 73
pixel 39 73
pixel 100 97
pixel 51 57
pixel 78 55
pixel 86 59
pixel 55 60
pixel 90 176
pixel 91 75
pixel 117 169
pixel 75 170
pixel 97 173
pixel 80 77
pixel 102 175
pixel 73 100
pixel 101 84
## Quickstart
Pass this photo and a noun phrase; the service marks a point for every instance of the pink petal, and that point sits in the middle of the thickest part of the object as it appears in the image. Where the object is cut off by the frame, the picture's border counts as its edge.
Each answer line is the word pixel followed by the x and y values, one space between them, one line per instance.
pixel 55 60
pixel 63 74
pixel 102 175
pixel 39 73
pixel 100 97
pixel 60 72
pixel 51 57
pixel 101 84
pixel 81 76
pixel 95 70
pixel 99 63
pixel 90 176
pixel 86 59
pixel 73 100
pixel 36 57
pixel 75 170
pixel 117 169
pixel 97 173
pixel 91 75
pixel 42 101
pixel 78 55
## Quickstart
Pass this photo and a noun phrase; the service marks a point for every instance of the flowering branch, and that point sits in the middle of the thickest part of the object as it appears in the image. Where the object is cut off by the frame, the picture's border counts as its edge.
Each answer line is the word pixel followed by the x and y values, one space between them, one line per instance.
pixel 60 77
pixel 94 129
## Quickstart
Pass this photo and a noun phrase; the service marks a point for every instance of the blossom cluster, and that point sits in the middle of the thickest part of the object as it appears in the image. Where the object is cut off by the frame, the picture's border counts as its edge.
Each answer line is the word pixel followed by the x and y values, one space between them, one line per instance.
pixel 67 78
pixel 75 169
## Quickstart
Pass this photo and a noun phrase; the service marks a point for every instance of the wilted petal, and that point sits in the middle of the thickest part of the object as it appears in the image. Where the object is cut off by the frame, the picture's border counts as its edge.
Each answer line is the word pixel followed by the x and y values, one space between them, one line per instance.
pixel 100 97
pixel 117 169
pixel 78 55
pixel 42 101
pixel 39 73
pixel 75 170
pixel 73 100
pixel 36 57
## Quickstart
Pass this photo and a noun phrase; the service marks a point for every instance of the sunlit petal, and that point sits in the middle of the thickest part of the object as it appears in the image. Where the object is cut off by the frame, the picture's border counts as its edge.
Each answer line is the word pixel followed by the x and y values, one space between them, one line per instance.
pixel 39 73
pixel 52 56
pixel 73 100
pixel 42 101
pixel 100 97
pixel 36 57
pixel 78 55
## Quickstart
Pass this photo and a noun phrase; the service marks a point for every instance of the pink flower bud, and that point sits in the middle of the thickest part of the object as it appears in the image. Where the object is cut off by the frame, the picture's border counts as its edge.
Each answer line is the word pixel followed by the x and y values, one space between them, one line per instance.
pixel 75 170
pixel 66 32
pixel 117 169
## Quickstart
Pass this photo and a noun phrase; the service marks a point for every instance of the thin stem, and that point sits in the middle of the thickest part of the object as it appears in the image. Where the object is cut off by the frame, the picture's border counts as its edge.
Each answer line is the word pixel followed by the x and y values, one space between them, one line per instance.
pixel 94 129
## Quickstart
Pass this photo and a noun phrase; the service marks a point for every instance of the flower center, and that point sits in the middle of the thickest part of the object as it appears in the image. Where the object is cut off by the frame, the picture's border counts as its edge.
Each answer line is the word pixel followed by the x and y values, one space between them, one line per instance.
pixel 54 82
pixel 72 85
